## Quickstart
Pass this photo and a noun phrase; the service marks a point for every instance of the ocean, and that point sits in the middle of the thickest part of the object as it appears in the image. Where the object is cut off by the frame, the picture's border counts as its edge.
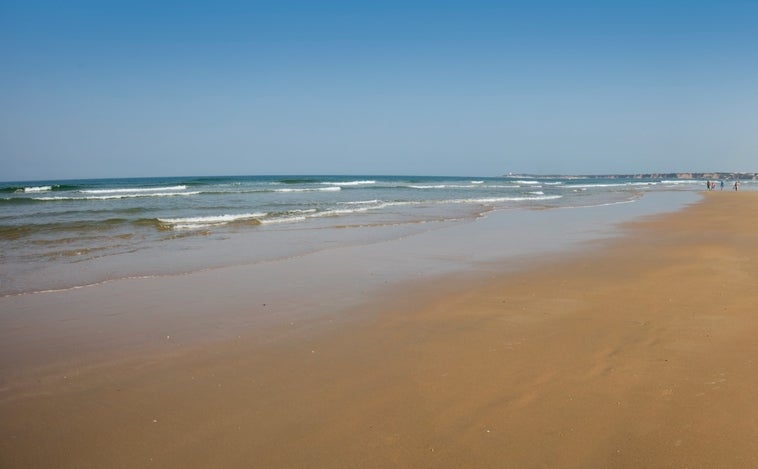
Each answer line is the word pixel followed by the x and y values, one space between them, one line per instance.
pixel 57 235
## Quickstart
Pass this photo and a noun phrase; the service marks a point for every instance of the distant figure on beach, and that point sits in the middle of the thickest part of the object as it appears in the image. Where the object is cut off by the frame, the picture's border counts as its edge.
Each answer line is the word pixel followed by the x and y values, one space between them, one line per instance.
pixel 722 184
pixel 736 185
pixel 708 185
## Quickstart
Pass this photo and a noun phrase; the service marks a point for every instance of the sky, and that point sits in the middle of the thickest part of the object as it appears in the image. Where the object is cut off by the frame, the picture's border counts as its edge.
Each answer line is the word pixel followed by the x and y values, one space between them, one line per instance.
pixel 111 88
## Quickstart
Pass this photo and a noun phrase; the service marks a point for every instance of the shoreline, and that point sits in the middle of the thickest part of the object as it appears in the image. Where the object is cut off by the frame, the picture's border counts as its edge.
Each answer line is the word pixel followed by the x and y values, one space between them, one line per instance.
pixel 219 254
pixel 121 317
pixel 626 353
pixel 100 231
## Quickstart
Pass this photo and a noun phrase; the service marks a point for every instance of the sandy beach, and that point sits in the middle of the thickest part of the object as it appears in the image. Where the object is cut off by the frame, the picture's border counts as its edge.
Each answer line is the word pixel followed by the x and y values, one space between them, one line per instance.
pixel 638 352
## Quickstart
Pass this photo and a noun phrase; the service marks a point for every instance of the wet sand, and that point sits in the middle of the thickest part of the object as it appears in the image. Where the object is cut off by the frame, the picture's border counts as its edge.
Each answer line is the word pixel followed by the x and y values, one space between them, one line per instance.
pixel 637 353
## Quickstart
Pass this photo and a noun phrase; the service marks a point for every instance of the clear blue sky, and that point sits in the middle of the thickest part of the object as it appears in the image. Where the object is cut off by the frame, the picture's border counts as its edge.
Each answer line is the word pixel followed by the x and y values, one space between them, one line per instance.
pixel 135 88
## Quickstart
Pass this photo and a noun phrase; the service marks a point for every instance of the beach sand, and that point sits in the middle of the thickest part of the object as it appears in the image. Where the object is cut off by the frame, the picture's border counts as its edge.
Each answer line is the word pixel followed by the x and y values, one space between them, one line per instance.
pixel 640 352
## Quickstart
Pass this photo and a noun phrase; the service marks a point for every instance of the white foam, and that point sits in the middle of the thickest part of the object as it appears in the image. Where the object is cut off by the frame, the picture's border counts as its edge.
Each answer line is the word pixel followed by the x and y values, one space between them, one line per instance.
pixel 361 202
pixel 213 219
pixel 320 189
pixel 477 182
pixel 273 221
pixel 527 182
pixel 500 199
pixel 119 196
pixel 345 211
pixel 133 190
pixel 38 189
pixel 192 226
pixel 361 208
pixel 350 183
pixel 196 223
pixel 306 210
pixel 436 186
pixel 442 186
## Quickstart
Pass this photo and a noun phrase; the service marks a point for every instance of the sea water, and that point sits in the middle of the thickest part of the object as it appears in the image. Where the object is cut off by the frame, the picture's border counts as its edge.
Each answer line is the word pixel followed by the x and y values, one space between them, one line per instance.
pixel 57 235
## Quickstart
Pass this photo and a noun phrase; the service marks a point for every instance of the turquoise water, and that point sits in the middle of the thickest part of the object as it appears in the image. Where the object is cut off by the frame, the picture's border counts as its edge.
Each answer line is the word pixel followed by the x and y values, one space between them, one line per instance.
pixel 64 234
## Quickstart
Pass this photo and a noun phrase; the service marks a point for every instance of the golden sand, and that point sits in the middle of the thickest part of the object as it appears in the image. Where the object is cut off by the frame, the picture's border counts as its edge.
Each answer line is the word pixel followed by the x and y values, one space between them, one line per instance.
pixel 640 353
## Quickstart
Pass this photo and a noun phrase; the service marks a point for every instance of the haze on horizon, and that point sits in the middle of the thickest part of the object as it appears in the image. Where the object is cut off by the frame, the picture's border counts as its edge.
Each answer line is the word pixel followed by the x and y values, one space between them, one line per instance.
pixel 124 89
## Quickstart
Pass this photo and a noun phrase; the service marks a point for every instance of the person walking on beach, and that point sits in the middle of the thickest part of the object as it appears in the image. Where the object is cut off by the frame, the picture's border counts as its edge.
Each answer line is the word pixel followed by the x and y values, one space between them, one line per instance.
pixel 722 184
pixel 736 185
pixel 708 185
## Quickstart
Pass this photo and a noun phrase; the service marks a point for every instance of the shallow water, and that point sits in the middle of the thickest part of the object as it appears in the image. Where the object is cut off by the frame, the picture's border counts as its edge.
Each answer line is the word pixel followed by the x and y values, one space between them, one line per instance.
pixel 445 223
